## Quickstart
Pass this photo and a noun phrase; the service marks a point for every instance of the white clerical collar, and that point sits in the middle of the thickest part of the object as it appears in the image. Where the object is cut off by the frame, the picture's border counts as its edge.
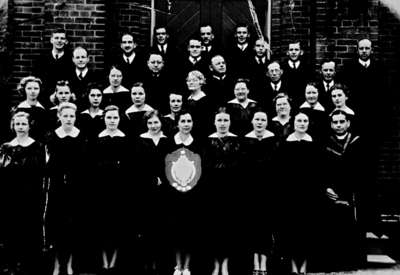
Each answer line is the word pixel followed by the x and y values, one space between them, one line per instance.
pixel 93 115
pixel 25 104
pixel 130 58
pixel 197 96
pixel 266 134
pixel 116 133
pixel 229 134
pixel 62 134
pixel 15 142
pixel 120 89
pixel 57 55
pixel 148 135
pixel 292 137
pixel 178 140
pixel 345 109
pixel 364 63
pixel 84 72
pixel 317 106
pixel 134 109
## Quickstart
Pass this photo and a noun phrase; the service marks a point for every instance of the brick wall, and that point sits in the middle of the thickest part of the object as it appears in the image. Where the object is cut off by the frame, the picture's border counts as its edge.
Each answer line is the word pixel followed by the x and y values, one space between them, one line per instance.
pixel 328 29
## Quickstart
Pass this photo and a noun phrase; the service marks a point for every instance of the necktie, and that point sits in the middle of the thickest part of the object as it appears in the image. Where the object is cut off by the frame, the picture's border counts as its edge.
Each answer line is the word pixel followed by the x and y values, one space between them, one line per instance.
pixel 194 60
pixel 275 87
pixel 259 60
pixel 127 60
pixel 327 86
pixel 56 56
pixel 80 76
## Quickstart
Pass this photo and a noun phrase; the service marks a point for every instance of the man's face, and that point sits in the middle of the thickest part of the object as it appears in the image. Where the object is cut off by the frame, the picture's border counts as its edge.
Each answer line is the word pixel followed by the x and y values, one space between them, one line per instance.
pixel 206 35
pixel 80 58
pixel 328 71
pixel 194 48
pixel 260 47
pixel 340 124
pixel 242 35
pixel 218 64
pixel 274 72
pixel 161 36
pixel 364 49
pixel 58 40
pixel 294 51
pixel 155 63
pixel 127 44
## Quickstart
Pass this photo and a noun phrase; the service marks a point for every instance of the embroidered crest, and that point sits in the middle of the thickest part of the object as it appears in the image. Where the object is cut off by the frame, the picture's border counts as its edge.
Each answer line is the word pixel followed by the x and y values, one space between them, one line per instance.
pixel 183 169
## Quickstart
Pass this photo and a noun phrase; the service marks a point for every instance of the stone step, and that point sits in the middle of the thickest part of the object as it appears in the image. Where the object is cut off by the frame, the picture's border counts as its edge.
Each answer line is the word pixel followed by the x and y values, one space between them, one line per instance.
pixel 377 250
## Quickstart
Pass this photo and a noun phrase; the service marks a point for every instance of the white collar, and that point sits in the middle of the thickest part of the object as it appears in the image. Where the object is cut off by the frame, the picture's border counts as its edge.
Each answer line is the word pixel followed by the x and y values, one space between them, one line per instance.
pixel 25 104
pixel 294 64
pixel 178 140
pixel 267 134
pixel 134 109
pixel 257 58
pixel 278 85
pixel 53 53
pixel 15 142
pixel 317 106
pixel 120 89
pixel 197 96
pixel 62 134
pixel 235 100
pixel 329 83
pixel 364 63
pixel 229 134
pixel 130 58
pixel 117 133
pixel 242 46
pixel 194 59
pixel 147 135
pixel 292 137
pixel 84 72
pixel 219 77
pixel 345 109
pixel 98 113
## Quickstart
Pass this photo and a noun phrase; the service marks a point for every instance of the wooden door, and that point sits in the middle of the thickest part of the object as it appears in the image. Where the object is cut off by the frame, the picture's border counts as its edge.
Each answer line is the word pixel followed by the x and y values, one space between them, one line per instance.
pixel 184 17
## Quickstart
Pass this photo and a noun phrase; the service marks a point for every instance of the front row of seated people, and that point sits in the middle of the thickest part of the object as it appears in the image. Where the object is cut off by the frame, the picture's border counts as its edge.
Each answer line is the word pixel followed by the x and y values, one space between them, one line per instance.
pixel 247 184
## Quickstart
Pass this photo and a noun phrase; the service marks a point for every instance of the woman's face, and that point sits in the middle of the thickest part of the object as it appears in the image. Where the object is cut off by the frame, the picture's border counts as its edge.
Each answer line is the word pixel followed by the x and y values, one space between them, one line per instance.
pixel 154 125
pixel 67 117
pixel 193 83
pixel 63 94
pixel 111 119
pixel 21 125
pixel 175 103
pixel 185 123
pixel 241 91
pixel 138 96
pixel 95 97
pixel 301 123
pixel 282 106
pixel 115 77
pixel 338 98
pixel 32 90
pixel 259 121
pixel 222 123
pixel 311 94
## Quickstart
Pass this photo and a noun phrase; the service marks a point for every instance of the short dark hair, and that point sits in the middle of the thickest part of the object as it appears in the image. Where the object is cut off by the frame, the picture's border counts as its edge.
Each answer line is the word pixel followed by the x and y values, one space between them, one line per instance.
pixel 339 112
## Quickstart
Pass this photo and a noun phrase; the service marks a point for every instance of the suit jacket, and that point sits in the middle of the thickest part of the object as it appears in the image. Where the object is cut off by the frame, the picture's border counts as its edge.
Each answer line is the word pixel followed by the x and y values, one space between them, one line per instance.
pixel 50 70
pixel 257 73
pixel 268 93
pixel 132 72
pixel 297 80
pixel 79 87
pixel 240 60
pixel 170 56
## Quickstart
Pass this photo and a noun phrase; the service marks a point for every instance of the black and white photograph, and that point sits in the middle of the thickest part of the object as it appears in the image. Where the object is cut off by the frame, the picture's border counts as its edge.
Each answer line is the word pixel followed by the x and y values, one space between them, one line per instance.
pixel 199 137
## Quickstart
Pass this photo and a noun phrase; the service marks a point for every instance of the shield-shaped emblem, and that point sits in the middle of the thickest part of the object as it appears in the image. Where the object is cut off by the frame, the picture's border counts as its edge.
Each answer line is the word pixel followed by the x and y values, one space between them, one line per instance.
pixel 183 169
